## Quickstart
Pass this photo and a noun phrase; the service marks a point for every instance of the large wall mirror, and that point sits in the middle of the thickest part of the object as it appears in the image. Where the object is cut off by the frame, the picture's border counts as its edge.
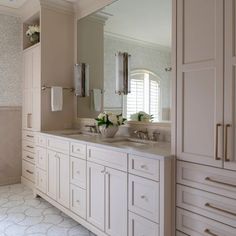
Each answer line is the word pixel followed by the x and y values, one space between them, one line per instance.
pixel 142 29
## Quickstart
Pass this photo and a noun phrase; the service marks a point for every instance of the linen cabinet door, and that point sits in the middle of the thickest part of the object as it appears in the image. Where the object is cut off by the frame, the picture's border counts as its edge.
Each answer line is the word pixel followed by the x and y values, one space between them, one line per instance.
pixel 200 76
pixel 52 174
pixel 96 195
pixel 63 180
pixel 230 86
pixel 116 202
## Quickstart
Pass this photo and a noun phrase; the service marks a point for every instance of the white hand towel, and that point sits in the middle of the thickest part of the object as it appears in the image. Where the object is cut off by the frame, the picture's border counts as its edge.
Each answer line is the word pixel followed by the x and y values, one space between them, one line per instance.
pixel 56 98
pixel 97 99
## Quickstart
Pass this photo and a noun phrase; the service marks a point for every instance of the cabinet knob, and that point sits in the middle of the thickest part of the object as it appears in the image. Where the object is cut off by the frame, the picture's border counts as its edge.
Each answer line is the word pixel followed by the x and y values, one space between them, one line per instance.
pixel 144 197
pixel 144 167
pixel 78 172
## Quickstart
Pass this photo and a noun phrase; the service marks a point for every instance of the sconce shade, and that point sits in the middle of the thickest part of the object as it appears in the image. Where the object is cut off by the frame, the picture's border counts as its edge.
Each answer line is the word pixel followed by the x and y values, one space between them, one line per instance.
pixel 81 79
pixel 122 73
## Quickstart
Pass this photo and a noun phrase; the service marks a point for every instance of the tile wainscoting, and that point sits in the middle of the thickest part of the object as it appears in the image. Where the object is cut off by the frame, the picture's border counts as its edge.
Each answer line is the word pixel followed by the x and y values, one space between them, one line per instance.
pixel 10 145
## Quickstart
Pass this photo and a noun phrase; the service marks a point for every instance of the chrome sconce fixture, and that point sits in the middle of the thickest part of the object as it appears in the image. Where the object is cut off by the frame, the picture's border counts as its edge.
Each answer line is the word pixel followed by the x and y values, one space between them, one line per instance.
pixel 81 80
pixel 122 73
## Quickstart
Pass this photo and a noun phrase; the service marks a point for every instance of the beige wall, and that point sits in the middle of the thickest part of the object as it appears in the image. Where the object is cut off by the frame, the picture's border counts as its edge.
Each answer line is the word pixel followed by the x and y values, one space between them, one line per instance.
pixel 90 50
pixel 10 145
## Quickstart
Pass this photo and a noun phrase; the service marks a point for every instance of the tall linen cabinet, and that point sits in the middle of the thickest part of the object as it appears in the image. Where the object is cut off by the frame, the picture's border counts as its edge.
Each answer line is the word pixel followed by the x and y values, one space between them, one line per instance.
pixel 47 63
pixel 206 109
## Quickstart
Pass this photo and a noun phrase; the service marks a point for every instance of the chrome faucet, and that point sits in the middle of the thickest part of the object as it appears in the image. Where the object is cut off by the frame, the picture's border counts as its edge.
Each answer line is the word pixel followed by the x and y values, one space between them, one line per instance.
pixel 142 134
pixel 92 128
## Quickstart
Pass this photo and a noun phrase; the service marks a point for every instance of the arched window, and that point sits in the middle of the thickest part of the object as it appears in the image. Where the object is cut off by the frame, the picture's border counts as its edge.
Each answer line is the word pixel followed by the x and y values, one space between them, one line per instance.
pixel 145 94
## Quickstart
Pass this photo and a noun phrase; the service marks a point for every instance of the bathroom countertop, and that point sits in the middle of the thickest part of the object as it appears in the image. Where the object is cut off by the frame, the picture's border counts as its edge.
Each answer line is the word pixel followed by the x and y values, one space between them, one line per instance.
pixel 150 149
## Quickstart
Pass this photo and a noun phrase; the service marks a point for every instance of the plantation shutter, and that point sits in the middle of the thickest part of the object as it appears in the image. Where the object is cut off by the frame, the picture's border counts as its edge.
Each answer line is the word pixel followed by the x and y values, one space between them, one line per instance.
pixel 135 101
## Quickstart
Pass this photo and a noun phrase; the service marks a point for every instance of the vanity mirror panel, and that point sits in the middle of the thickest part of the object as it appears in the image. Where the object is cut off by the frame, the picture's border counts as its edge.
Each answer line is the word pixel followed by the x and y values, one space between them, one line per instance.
pixel 144 32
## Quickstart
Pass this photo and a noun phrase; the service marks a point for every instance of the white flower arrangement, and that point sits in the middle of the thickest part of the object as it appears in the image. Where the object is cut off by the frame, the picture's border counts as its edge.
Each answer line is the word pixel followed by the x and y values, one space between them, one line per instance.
pixel 32 29
pixel 110 119
pixel 141 116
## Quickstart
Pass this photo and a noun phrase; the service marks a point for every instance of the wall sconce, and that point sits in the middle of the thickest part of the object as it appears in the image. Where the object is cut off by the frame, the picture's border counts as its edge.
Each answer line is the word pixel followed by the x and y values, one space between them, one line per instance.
pixel 81 79
pixel 122 73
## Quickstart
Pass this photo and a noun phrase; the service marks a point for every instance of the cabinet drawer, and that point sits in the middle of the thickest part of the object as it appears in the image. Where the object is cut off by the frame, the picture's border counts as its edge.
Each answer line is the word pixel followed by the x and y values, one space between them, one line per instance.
pixel 113 159
pixel 41 158
pixel 144 167
pixel 193 224
pixel 58 145
pixel 210 205
pixel 41 180
pixel 28 156
pixel 219 181
pixel 144 197
pixel 28 135
pixel 78 172
pixel 78 201
pixel 41 140
pixel 78 150
pixel 28 170
pixel 138 226
pixel 28 146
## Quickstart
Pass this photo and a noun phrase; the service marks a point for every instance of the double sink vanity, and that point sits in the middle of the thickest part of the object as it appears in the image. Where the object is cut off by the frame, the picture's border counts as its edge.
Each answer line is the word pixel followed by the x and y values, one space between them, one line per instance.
pixel 116 187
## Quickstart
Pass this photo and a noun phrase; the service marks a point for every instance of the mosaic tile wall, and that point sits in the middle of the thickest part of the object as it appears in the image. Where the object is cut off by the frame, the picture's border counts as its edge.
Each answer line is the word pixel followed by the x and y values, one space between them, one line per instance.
pixel 10 61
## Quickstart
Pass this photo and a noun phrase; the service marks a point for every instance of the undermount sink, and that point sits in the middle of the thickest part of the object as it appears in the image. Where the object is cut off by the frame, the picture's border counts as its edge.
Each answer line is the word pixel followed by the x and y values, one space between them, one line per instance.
pixel 129 142
pixel 78 134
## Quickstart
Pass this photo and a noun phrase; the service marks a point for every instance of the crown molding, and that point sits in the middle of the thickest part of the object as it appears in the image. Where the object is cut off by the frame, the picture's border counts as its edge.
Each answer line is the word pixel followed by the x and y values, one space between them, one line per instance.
pixel 58 5
pixel 86 7
pixel 9 11
pixel 137 41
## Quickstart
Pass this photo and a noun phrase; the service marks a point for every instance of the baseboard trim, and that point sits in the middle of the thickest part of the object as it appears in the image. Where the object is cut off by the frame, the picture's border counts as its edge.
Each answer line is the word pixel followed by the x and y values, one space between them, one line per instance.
pixel 9 181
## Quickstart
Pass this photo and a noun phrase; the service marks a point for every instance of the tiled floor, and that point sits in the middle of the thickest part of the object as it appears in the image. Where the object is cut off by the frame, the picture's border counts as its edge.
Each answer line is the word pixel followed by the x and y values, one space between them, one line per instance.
pixel 23 215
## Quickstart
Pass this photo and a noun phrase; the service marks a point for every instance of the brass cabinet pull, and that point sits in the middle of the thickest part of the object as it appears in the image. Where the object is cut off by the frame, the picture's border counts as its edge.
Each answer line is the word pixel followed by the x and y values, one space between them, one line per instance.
pixel 219 209
pixel 29 136
pixel 209 232
pixel 217 139
pixel 30 157
pixel 227 159
pixel 219 182
pixel 29 147
pixel 30 172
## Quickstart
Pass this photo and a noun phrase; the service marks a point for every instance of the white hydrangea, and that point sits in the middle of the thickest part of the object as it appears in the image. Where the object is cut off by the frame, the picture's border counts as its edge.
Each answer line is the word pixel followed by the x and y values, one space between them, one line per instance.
pixel 113 119
pixel 32 29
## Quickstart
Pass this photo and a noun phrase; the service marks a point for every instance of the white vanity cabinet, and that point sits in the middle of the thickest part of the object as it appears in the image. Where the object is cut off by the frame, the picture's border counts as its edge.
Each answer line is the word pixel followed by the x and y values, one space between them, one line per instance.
pixel 107 195
pixel 58 177
pixel 108 190
pixel 205 139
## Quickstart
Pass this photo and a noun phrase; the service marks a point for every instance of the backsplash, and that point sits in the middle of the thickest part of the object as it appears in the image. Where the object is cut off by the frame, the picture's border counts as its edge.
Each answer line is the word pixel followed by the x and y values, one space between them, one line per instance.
pixel 128 130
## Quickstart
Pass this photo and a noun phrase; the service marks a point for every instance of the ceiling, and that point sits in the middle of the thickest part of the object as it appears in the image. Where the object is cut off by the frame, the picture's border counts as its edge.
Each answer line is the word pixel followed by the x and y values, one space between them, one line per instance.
pixel 12 3
pixel 148 21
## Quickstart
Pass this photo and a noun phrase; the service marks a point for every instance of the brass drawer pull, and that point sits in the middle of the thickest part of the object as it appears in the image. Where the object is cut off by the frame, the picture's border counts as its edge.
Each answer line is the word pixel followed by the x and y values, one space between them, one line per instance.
pixel 227 159
pixel 219 209
pixel 30 172
pixel 29 147
pixel 209 232
pixel 30 157
pixel 219 182
pixel 29 136
pixel 217 158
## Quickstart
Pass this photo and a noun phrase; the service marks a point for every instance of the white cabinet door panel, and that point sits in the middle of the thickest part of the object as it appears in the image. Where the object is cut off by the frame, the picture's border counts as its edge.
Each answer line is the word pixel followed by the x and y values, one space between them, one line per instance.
pixel 200 78
pixel 52 174
pixel 96 195
pixel 116 202
pixel 63 180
